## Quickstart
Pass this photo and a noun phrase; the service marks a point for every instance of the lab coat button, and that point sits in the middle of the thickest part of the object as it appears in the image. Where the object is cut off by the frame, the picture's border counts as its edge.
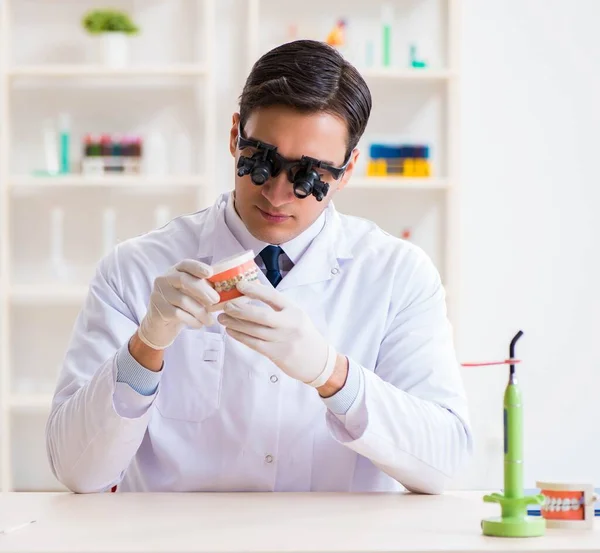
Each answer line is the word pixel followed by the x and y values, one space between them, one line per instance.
pixel 269 458
pixel 335 271
pixel 274 379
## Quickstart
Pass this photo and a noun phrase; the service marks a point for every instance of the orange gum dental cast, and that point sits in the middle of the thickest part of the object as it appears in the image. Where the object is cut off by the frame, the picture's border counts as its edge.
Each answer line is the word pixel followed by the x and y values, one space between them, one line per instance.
pixel 228 273
pixel 568 504
pixel 225 283
pixel 563 505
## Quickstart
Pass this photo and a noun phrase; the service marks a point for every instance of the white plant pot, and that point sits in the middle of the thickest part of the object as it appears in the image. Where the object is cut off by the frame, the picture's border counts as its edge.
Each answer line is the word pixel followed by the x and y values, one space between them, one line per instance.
pixel 115 49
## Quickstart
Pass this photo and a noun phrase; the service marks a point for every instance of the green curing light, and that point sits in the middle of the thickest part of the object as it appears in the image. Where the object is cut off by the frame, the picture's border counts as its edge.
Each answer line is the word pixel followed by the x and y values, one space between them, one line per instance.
pixel 514 521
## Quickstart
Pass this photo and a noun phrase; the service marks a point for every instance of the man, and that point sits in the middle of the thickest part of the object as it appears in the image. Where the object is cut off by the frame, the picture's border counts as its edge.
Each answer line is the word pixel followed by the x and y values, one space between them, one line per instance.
pixel 338 374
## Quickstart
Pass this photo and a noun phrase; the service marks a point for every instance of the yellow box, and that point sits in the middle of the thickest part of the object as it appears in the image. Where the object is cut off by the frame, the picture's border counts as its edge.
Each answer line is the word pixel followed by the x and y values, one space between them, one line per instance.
pixel 409 169
pixel 422 168
pixel 376 168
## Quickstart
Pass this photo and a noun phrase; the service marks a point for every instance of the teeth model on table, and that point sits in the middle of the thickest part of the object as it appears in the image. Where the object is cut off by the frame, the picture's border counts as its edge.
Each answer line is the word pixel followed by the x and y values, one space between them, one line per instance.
pixel 567 505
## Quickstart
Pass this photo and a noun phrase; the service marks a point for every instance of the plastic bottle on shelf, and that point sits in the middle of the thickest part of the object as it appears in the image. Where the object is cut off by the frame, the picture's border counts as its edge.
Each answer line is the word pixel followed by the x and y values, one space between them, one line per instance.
pixel 51 148
pixel 91 163
pixel 65 143
pixel 387 18
pixel 155 158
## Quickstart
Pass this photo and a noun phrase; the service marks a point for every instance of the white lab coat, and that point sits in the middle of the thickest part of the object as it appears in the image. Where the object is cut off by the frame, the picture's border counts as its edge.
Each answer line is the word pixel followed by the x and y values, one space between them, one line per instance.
pixel 224 418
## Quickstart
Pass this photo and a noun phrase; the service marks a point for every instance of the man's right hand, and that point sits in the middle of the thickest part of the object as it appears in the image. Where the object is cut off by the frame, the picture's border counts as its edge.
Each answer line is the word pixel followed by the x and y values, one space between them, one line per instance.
pixel 179 298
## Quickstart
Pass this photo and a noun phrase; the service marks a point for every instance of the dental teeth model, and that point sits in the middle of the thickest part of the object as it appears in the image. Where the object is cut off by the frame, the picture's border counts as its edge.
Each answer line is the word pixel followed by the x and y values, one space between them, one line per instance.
pixel 228 272
pixel 567 505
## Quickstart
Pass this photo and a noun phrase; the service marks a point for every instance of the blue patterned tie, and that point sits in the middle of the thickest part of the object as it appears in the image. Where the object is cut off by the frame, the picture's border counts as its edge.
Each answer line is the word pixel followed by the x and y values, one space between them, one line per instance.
pixel 270 255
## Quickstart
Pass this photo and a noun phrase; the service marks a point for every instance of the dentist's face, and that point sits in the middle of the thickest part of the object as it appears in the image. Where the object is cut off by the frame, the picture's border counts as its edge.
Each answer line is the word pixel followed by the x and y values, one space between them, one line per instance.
pixel 271 212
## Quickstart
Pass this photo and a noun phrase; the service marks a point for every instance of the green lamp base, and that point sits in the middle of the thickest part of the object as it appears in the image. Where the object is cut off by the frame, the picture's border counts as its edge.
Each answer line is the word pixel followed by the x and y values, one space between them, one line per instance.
pixel 514 527
pixel 514 522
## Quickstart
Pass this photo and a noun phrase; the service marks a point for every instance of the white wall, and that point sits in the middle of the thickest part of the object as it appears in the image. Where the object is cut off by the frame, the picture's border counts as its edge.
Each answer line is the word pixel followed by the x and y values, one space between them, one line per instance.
pixel 530 253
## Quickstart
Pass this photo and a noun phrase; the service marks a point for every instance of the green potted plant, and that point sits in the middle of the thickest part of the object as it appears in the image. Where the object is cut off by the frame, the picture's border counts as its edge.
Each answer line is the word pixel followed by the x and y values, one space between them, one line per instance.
pixel 114 27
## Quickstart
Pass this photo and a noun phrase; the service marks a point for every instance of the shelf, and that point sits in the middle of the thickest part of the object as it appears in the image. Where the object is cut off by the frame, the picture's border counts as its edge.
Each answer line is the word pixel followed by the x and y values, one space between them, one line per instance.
pixel 80 70
pixel 191 181
pixel 30 402
pixel 89 181
pixel 32 294
pixel 407 74
pixel 424 183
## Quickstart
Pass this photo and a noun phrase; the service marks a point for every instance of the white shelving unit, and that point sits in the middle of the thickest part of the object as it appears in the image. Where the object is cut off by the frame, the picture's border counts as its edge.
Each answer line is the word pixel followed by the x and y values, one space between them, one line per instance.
pixel 427 204
pixel 79 71
pixel 21 183
pixel 21 299
pixel 416 75
pixel 397 183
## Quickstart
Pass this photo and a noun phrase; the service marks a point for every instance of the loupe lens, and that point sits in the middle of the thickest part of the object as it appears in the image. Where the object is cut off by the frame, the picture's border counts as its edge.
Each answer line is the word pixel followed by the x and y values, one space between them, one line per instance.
pixel 260 174
pixel 302 188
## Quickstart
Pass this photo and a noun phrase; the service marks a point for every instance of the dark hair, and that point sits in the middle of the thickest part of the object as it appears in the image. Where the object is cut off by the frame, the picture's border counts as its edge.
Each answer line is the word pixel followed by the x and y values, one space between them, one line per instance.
pixel 311 77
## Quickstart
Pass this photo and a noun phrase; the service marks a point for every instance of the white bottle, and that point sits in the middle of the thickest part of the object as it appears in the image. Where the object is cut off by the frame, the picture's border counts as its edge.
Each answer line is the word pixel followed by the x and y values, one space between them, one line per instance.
pixel 155 155
pixel 52 165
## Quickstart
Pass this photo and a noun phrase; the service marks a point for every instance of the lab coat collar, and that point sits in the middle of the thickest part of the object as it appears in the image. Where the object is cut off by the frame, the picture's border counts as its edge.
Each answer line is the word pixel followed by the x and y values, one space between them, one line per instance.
pixel 320 262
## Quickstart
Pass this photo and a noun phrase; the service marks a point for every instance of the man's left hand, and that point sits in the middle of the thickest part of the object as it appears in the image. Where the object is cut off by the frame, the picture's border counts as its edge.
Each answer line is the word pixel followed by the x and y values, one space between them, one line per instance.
pixel 281 331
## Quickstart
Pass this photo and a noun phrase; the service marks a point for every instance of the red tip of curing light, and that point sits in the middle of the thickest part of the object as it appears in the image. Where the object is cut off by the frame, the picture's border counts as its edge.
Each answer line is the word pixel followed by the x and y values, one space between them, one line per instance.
pixel 487 363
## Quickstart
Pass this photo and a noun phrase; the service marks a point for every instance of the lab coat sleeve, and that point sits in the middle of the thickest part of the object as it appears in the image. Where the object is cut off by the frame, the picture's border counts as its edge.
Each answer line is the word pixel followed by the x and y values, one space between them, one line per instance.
pixel 96 423
pixel 410 417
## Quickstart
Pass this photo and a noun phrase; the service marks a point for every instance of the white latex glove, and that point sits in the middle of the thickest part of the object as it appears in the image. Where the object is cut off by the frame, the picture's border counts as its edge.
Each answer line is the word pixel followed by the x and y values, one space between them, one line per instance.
pixel 178 299
pixel 281 331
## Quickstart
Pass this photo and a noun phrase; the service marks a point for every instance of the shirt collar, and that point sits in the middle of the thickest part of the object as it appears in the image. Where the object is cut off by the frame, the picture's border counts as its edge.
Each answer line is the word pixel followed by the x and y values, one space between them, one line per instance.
pixel 294 249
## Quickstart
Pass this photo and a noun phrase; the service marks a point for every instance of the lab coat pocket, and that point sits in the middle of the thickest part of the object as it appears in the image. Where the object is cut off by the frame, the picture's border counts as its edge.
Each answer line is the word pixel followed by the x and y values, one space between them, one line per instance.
pixel 190 388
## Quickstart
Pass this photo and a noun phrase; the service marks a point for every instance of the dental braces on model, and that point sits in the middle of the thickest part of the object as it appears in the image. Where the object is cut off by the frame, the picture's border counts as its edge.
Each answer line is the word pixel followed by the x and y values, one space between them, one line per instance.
pixel 230 283
pixel 228 272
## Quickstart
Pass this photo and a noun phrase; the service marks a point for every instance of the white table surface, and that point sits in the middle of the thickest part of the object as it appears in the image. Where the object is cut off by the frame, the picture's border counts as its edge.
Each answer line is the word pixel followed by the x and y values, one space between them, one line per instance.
pixel 259 522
